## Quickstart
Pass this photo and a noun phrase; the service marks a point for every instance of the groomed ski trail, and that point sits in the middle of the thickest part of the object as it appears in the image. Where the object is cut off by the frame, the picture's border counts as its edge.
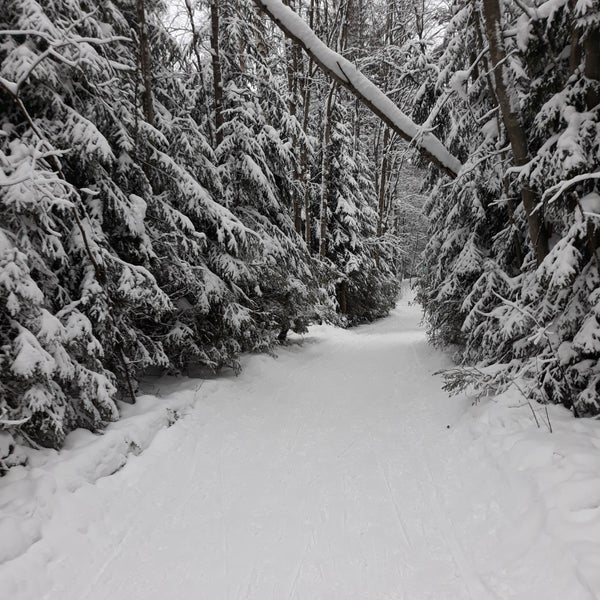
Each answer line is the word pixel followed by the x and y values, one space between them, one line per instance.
pixel 333 472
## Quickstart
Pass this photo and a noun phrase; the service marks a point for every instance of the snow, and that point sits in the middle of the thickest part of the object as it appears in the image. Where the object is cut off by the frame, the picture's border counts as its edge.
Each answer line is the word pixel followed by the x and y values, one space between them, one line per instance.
pixel 31 356
pixel 339 470
pixel 32 497
pixel 590 204
pixel 347 72
pixel 556 479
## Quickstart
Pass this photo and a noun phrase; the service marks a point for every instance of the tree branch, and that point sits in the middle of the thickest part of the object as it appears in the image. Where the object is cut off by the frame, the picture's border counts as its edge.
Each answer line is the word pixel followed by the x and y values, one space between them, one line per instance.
pixel 345 73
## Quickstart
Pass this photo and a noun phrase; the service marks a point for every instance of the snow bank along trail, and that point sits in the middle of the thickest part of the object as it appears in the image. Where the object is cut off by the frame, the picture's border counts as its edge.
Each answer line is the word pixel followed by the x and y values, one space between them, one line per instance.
pixel 328 473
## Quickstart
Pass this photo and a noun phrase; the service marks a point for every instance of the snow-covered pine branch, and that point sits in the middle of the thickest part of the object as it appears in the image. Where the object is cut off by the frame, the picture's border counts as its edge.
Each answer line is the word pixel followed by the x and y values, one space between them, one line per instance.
pixel 345 73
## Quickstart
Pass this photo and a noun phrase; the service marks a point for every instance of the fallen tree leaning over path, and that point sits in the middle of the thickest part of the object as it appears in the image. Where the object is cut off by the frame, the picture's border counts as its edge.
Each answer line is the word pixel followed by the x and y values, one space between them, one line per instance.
pixel 345 73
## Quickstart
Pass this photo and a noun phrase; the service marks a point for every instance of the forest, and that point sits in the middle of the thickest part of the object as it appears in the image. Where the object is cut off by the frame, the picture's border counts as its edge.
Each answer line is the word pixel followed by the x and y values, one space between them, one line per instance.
pixel 182 183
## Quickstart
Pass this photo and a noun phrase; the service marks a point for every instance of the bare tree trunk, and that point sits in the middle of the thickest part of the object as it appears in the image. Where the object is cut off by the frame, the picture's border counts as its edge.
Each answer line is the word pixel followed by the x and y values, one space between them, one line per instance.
pixel 195 43
pixel 413 260
pixel 145 62
pixel 293 59
pixel 326 169
pixel 381 192
pixel 487 73
pixel 591 48
pixel 216 64
pixel 356 128
pixel 591 70
pixel 382 183
pixel 304 166
pixel 514 129
pixel 305 170
pixel 342 296
pixel 381 186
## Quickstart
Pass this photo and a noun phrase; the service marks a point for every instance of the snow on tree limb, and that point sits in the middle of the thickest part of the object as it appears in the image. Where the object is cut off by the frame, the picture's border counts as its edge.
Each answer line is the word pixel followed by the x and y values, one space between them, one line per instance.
pixel 345 73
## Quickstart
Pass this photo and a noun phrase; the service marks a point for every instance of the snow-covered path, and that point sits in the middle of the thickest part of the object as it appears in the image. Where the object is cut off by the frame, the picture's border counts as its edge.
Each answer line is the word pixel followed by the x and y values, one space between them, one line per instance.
pixel 333 472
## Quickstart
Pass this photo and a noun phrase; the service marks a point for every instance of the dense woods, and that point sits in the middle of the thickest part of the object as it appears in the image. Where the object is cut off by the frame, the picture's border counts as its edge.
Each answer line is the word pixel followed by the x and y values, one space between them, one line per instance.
pixel 511 269
pixel 176 196
pixel 181 183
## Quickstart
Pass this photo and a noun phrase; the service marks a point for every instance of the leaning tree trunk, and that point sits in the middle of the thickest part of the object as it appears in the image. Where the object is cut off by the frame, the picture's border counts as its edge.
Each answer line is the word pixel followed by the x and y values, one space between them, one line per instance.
pixel 514 128
pixel 347 75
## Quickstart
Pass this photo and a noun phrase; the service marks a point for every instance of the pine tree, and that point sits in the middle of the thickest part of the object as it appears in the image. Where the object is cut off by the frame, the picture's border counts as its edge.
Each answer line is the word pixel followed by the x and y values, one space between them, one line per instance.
pixel 255 155
pixel 517 304
pixel 97 202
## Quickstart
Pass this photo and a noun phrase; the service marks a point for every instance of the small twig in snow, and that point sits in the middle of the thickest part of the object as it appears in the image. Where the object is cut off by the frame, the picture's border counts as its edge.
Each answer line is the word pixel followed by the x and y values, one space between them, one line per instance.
pixel 548 419
pixel 534 415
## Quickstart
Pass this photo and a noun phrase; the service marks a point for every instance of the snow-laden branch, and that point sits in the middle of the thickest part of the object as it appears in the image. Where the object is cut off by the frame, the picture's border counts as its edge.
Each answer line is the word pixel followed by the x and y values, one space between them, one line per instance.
pixel 563 186
pixel 345 73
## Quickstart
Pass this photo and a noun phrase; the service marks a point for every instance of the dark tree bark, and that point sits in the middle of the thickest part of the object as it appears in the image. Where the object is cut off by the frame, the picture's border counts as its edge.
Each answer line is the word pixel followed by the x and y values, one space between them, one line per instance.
pixel 326 169
pixel 217 77
pixel 449 165
pixel 145 62
pixel 591 48
pixel 304 166
pixel 294 60
pixel 195 46
pixel 512 123
pixel 591 70
pixel 383 174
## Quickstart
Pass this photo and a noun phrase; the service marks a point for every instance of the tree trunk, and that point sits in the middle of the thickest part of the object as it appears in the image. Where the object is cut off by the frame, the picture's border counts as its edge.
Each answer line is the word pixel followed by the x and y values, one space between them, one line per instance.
pixel 326 168
pixel 216 64
pixel 346 74
pixel 382 183
pixel 195 45
pixel 591 70
pixel 514 129
pixel 293 65
pixel 304 166
pixel 342 296
pixel 145 62
pixel 591 48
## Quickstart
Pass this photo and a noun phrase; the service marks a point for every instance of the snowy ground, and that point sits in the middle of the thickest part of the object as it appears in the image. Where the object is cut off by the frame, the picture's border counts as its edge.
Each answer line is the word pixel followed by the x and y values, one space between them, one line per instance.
pixel 338 471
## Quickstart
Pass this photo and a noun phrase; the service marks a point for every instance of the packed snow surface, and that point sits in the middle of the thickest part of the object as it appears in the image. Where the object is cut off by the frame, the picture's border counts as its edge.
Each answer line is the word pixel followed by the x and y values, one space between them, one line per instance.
pixel 339 470
pixel 348 72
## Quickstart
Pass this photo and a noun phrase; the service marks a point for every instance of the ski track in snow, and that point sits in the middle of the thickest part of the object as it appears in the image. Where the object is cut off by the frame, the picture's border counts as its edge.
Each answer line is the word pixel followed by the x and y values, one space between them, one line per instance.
pixel 328 473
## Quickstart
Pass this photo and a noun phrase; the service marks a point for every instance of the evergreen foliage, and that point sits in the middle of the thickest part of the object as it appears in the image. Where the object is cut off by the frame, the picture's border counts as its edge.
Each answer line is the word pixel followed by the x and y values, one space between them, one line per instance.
pixel 520 321
pixel 129 239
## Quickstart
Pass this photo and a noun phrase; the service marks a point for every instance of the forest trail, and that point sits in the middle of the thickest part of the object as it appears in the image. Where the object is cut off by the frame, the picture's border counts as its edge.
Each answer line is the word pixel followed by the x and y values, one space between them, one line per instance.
pixel 329 473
